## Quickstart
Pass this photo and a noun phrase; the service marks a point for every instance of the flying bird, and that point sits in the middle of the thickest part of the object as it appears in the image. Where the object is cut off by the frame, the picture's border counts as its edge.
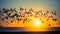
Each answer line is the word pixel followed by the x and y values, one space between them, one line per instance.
pixel 21 8
pixel 49 25
pixel 54 19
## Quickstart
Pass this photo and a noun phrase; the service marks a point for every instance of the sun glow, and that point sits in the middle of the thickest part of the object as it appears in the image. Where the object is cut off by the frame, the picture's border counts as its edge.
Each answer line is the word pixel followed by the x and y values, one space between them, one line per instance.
pixel 37 22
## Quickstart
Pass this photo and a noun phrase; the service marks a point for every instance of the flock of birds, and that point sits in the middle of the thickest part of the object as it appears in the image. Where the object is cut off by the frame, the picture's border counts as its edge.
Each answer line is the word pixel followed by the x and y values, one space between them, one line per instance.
pixel 24 15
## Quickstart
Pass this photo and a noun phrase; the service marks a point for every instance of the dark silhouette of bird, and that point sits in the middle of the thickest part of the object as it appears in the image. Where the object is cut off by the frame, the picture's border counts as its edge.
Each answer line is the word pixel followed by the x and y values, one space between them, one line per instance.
pixel 6 10
pixel 6 17
pixel 2 18
pixel 54 19
pixel 50 17
pixel 42 21
pixel 44 14
pixel 16 15
pixel 24 20
pixel 21 8
pixel 54 12
pixel 47 12
pixel 31 10
pixel 11 21
pixel 11 9
pixel 59 23
pixel 3 9
pixel 14 9
pixel 49 25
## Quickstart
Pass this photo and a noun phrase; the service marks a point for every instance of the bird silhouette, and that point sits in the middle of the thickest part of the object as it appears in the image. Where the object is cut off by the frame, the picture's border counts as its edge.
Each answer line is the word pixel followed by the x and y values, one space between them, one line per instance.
pixel 47 12
pixel 49 25
pixel 21 8
pixel 54 12
pixel 11 21
pixel 54 19
pixel 24 20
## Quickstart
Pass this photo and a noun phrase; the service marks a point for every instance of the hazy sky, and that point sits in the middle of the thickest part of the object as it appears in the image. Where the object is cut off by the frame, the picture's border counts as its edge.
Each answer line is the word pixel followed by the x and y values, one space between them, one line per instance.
pixel 35 4
pixel 51 5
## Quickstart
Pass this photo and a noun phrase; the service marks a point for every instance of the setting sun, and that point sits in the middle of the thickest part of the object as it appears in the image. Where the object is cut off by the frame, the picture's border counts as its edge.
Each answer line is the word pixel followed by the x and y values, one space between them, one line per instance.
pixel 37 22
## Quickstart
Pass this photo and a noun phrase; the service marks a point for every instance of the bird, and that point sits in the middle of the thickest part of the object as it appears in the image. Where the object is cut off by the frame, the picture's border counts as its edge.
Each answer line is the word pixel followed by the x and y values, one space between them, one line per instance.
pixel 3 9
pixel 11 21
pixel 24 20
pixel 54 12
pixel 49 25
pixel 31 10
pixel 42 21
pixel 6 17
pixel 49 17
pixel 54 19
pixel 21 8
pixel 44 14
pixel 47 12
pixel 2 18
pixel 11 9
pixel 59 23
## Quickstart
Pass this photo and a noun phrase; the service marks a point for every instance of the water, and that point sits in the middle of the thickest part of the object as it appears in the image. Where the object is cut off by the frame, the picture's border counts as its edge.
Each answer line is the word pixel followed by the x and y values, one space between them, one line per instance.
pixel 23 29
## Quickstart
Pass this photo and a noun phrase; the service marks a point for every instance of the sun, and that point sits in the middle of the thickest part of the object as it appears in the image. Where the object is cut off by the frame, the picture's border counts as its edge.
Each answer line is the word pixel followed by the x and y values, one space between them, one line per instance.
pixel 37 22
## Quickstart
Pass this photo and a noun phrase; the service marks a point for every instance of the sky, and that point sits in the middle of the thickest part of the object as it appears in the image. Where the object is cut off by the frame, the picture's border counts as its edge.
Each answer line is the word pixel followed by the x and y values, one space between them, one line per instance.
pixel 53 5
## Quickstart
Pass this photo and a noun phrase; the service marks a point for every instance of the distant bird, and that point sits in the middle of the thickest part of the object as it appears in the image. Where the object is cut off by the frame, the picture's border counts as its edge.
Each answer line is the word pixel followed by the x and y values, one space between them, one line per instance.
pixel 44 14
pixel 6 17
pixel 49 17
pixel 49 25
pixel 40 11
pixel 21 8
pixel 11 9
pixel 59 23
pixel 11 21
pixel 41 14
pixel 3 9
pixel 2 18
pixel 19 19
pixel 16 15
pixel 54 12
pixel 12 16
pixel 6 10
pixel 54 19
pixel 14 9
pixel 24 20
pixel 25 8
pixel 47 12
pixel 31 10
pixel 37 13
pixel 42 21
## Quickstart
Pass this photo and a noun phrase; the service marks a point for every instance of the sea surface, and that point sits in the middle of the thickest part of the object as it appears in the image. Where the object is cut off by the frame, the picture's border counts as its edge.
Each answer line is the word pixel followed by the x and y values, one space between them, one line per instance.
pixel 23 29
